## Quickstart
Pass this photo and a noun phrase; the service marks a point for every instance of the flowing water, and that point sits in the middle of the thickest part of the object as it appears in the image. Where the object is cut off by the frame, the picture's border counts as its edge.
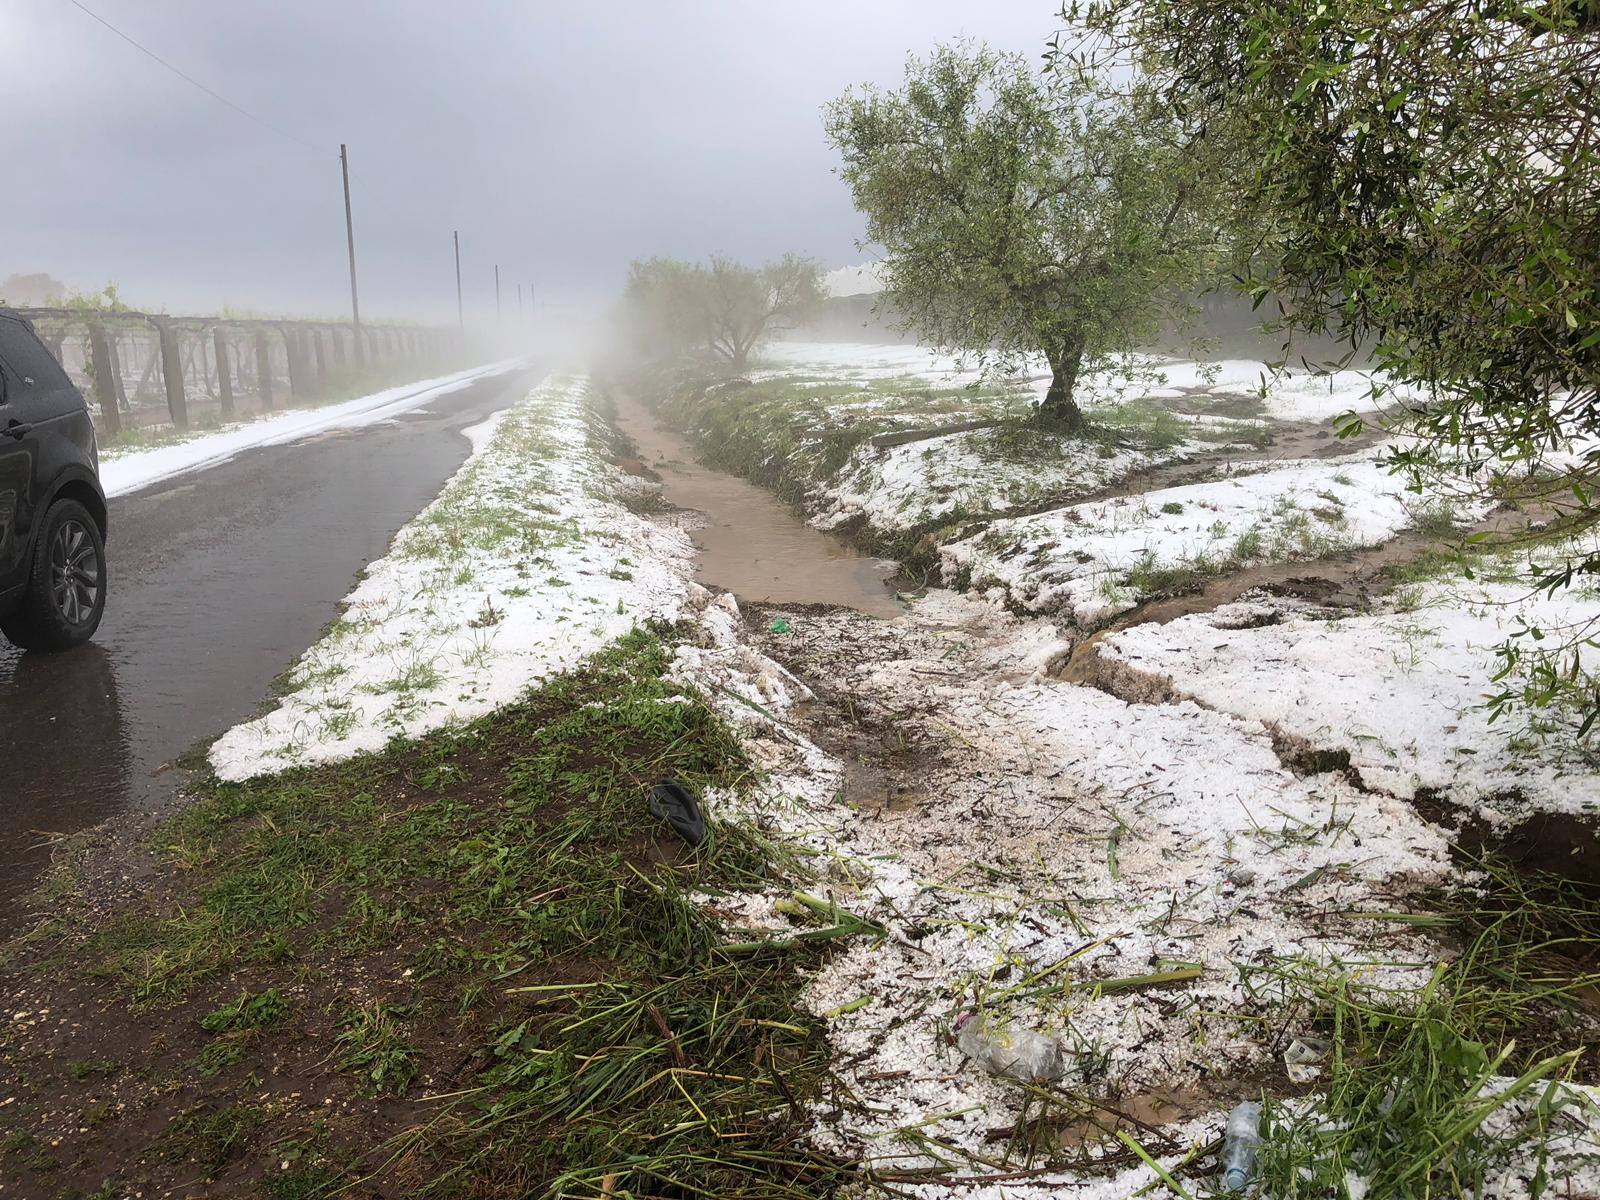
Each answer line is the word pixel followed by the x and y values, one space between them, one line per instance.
pixel 751 543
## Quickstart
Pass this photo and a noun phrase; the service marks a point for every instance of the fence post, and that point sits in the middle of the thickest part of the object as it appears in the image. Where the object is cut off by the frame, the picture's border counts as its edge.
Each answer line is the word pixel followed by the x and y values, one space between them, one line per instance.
pixel 116 373
pixel 172 373
pixel 291 348
pixel 322 361
pixel 337 336
pixel 219 346
pixel 264 370
pixel 105 381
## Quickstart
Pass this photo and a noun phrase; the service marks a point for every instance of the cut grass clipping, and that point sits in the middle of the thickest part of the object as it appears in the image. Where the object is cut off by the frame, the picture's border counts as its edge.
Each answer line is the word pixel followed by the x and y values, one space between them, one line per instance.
pixel 481 946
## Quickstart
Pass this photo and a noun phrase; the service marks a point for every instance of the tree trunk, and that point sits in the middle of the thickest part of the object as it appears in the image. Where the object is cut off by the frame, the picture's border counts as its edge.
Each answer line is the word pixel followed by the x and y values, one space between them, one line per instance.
pixel 1059 408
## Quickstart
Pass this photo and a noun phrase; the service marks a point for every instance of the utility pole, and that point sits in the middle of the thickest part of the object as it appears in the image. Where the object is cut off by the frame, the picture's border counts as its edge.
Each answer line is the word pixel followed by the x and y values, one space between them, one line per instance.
pixel 350 240
pixel 461 320
pixel 497 290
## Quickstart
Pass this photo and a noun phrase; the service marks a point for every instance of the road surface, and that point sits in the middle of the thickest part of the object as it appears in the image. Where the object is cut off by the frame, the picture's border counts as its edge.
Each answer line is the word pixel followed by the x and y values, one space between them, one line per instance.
pixel 218 581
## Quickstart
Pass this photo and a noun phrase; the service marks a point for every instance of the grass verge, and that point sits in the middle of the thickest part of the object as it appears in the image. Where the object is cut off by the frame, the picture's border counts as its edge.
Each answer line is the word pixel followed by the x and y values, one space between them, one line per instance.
pixel 467 966
pixel 799 435
pixel 1454 1087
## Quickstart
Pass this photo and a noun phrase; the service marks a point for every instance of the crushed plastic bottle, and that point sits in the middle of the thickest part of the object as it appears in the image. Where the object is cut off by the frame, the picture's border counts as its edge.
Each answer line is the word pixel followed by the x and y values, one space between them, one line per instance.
pixel 1239 1145
pixel 1019 1054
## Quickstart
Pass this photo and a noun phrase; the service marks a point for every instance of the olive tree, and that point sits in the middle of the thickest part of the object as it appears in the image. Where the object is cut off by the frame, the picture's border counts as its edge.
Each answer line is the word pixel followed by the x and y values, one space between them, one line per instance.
pixel 1022 215
pixel 1434 167
pixel 722 308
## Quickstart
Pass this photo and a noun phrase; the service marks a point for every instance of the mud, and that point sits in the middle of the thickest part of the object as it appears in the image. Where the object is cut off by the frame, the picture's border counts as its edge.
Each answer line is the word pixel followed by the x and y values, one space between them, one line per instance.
pixel 1290 442
pixel 1557 844
pixel 750 543
pixel 1352 580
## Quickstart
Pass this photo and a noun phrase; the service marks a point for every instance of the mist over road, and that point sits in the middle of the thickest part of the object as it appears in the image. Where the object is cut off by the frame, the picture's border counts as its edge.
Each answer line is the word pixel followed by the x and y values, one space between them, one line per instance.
pixel 219 580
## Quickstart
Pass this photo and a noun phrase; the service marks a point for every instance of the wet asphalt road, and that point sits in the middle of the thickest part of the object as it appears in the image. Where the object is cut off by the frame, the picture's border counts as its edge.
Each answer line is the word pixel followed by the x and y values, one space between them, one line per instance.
pixel 218 581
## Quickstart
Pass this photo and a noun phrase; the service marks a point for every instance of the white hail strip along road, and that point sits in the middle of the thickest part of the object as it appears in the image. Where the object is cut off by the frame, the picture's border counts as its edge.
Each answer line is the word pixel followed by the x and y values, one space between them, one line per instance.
pixel 129 472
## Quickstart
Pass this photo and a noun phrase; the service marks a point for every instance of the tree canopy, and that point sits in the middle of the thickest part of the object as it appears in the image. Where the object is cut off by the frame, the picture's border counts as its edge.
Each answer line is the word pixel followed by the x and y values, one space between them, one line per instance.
pixel 37 289
pixel 1021 215
pixel 722 308
pixel 1434 168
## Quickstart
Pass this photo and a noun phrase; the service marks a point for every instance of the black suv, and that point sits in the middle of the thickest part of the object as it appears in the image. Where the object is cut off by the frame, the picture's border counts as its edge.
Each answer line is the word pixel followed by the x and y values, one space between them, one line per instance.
pixel 52 511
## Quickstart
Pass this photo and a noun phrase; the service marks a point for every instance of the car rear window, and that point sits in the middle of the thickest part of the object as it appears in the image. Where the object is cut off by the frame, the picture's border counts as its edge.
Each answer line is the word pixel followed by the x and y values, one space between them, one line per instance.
pixel 27 357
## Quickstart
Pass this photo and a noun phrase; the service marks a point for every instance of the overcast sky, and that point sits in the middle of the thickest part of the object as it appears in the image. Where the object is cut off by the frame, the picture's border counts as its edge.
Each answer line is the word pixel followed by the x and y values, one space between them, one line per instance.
pixel 562 139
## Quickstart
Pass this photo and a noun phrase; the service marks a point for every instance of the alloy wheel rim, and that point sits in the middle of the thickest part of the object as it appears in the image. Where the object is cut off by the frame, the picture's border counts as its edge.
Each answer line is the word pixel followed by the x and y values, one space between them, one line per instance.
pixel 74 573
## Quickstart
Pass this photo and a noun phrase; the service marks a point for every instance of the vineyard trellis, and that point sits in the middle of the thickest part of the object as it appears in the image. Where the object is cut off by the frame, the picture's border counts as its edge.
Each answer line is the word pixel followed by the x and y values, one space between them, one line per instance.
pixel 146 370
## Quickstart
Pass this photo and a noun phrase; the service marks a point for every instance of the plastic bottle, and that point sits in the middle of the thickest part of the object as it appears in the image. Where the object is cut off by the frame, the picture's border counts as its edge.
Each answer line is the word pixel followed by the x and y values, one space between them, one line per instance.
pixel 1239 1145
pixel 1019 1054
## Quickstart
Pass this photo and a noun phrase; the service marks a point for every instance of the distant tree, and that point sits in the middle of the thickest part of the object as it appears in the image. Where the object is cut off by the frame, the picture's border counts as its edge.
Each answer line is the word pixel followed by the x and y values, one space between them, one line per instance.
pixel 32 291
pixel 1435 170
pixel 107 300
pixel 745 304
pixel 723 308
pixel 1022 215
pixel 661 307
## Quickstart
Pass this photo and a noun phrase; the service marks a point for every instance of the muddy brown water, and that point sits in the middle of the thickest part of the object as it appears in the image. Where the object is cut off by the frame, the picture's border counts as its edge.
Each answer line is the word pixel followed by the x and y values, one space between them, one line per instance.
pixel 750 542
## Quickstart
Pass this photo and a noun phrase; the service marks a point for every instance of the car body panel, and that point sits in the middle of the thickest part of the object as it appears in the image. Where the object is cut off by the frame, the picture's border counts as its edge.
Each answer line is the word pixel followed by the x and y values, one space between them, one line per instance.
pixel 46 447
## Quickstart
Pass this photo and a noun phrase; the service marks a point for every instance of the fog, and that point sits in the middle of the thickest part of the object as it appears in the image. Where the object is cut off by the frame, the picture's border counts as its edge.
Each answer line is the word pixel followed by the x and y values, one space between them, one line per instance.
pixel 561 140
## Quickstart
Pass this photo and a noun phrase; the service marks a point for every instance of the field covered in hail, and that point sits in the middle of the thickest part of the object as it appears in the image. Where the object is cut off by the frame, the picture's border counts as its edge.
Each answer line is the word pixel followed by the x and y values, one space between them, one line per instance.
pixel 1177 755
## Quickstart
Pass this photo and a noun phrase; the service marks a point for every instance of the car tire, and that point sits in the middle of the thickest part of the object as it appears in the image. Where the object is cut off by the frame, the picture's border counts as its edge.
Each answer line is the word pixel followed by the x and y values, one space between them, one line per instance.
pixel 66 592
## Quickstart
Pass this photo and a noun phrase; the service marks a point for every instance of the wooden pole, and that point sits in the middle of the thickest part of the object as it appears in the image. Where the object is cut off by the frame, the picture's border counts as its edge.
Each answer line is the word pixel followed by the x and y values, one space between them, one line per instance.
pixel 219 347
pixel 172 374
pixel 116 371
pixel 350 241
pixel 322 363
pixel 105 385
pixel 297 373
pixel 264 370
pixel 461 320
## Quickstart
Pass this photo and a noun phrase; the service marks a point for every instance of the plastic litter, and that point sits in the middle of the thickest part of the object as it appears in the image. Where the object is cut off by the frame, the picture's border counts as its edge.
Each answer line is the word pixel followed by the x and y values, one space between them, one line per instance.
pixel 1019 1054
pixel 674 803
pixel 781 625
pixel 1302 1060
pixel 1239 1145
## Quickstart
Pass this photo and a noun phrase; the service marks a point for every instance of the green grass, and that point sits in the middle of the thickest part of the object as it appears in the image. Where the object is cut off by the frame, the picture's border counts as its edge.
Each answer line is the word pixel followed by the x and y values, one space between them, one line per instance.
pixel 790 433
pixel 795 433
pixel 371 1043
pixel 248 1012
pixel 1407 1103
pixel 497 896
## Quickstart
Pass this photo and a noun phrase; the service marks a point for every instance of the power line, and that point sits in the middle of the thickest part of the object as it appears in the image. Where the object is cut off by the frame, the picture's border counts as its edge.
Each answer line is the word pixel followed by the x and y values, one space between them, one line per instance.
pixel 187 78
pixel 376 196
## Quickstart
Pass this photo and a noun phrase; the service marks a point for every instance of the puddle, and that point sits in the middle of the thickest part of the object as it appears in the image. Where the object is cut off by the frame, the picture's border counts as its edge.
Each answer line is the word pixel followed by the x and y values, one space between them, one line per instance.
pixel 751 543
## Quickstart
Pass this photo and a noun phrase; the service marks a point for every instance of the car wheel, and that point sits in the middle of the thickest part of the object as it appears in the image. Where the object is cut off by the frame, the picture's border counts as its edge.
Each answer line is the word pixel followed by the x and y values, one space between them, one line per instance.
pixel 66 592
